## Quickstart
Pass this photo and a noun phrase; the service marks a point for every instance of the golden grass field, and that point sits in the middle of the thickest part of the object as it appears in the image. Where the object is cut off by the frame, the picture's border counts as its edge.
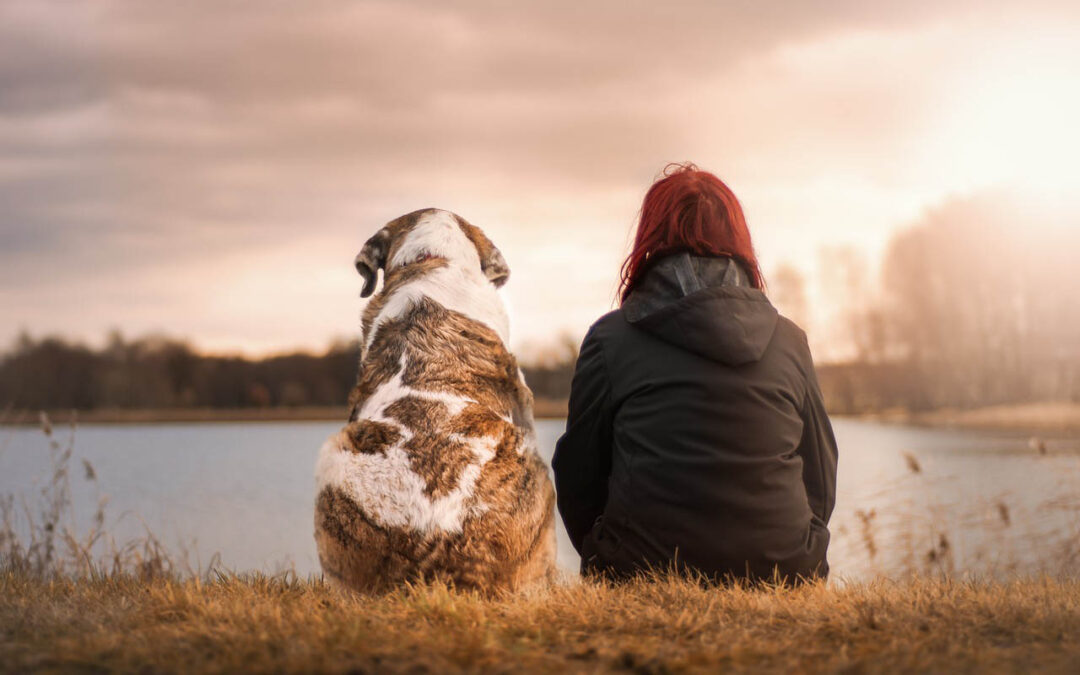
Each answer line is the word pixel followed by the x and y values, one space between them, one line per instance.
pixel 260 624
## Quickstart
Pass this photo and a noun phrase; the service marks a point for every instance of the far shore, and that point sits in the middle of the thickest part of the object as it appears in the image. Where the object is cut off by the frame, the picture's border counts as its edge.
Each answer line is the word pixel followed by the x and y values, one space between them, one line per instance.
pixel 543 409
pixel 1049 418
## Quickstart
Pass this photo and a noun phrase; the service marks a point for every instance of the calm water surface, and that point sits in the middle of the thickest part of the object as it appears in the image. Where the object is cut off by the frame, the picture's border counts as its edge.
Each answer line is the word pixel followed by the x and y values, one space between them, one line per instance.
pixel 907 499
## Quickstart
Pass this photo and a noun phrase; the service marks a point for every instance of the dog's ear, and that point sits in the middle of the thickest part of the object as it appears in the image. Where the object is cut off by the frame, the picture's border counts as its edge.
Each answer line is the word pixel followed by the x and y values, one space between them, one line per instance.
pixel 371 259
pixel 492 262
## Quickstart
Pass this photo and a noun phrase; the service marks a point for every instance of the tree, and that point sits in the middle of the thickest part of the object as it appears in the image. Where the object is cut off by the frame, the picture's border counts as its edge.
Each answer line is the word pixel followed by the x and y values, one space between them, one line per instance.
pixel 787 290
pixel 980 302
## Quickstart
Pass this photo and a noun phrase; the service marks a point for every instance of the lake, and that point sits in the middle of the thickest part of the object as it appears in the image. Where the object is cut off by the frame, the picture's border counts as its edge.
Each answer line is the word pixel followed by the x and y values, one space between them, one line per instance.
pixel 908 499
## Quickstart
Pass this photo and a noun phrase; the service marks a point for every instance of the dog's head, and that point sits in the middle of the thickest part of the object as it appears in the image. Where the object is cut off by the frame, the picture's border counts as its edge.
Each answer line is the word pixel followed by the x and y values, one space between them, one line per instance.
pixel 424 234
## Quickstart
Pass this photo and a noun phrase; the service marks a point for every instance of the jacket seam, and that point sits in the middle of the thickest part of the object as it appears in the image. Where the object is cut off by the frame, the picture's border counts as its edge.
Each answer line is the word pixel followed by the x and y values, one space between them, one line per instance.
pixel 608 402
pixel 817 458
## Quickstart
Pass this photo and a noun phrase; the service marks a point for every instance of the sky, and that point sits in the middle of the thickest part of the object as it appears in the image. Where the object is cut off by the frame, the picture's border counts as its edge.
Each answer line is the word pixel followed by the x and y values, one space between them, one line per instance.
pixel 209 170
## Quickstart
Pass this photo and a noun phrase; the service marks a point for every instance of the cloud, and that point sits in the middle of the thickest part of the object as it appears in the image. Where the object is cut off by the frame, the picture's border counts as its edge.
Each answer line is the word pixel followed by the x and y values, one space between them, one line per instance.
pixel 157 157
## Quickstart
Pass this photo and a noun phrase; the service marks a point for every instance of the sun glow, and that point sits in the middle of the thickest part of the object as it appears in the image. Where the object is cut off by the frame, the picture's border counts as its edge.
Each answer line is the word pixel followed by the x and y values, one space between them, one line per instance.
pixel 1014 120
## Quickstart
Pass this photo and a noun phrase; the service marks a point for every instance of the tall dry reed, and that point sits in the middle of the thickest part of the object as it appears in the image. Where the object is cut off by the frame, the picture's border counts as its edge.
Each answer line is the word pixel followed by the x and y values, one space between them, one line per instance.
pixel 40 535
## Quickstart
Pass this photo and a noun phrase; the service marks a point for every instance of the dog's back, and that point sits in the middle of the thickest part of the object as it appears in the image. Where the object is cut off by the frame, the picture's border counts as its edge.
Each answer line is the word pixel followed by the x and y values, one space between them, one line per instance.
pixel 436 474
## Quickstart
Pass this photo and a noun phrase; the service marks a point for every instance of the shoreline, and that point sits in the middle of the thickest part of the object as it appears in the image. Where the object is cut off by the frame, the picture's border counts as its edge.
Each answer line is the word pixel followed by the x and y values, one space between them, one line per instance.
pixel 1050 417
pixel 1055 418
pixel 543 409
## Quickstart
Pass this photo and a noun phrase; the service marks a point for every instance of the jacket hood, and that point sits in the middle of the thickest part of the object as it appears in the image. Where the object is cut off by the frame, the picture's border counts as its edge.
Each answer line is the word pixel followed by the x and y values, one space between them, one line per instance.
pixel 705 305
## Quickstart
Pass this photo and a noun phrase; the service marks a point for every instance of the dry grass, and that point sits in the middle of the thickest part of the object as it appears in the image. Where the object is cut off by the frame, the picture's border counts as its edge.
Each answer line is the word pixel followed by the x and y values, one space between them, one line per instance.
pixel 72 601
pixel 40 538
pixel 267 624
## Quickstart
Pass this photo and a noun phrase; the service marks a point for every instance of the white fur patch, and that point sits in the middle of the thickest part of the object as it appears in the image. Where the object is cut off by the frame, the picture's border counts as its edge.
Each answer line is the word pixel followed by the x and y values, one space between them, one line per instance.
pixel 436 233
pixel 385 487
pixel 460 286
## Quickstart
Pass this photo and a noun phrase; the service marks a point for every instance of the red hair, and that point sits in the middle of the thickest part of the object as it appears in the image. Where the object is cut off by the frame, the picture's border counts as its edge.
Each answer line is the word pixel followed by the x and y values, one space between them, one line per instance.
pixel 689 210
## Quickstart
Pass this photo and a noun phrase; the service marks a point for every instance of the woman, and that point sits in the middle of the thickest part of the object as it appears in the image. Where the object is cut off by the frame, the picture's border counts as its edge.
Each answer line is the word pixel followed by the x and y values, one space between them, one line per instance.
pixel 696 434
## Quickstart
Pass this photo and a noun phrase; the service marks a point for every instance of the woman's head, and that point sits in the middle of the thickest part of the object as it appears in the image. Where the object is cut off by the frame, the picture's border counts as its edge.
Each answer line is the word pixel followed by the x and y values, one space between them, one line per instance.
pixel 689 210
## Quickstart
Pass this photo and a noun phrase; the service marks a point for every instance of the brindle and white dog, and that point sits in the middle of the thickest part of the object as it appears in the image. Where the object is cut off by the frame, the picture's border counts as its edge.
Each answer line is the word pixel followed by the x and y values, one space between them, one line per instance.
pixel 436 474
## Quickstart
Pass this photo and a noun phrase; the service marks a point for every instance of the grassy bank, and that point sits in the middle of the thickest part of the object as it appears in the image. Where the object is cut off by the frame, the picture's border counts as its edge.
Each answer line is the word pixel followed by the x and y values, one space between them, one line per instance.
pixel 261 624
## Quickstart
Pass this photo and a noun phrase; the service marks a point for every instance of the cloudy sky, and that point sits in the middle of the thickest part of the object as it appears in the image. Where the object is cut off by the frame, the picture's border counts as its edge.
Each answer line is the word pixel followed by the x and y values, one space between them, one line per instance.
pixel 209 170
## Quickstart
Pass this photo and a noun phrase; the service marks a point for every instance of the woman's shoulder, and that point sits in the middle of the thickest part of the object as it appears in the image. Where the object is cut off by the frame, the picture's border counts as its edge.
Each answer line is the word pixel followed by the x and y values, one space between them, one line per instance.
pixel 608 327
pixel 790 331
pixel 613 320
pixel 790 339
pixel 603 335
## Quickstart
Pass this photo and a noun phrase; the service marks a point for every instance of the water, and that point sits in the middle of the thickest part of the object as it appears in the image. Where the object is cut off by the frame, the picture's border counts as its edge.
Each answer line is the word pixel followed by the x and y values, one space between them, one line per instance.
pixel 978 502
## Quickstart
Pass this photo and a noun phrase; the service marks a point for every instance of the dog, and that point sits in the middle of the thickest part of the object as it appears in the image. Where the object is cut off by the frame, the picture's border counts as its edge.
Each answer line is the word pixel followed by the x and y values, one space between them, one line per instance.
pixel 436 475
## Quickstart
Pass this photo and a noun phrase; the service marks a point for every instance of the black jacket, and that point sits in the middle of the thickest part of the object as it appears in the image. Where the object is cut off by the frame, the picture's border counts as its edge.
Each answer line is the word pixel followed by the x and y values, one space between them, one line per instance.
pixel 696 433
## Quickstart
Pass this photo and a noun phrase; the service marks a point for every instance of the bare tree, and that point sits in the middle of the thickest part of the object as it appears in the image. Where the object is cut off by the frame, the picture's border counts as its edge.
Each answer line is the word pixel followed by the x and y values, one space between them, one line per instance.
pixel 787 290
pixel 981 304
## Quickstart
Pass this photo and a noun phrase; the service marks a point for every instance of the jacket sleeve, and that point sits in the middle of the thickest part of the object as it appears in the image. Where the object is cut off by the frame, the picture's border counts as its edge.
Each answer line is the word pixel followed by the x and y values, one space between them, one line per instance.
pixel 818 451
pixel 582 460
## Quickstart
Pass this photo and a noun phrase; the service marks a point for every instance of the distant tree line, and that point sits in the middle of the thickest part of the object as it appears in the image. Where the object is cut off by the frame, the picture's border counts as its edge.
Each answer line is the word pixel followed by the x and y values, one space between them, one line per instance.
pixel 978 304
pixel 161 373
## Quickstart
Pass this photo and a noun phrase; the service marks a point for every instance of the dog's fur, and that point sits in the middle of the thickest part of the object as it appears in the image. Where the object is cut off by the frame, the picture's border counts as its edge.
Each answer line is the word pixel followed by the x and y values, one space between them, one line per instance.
pixel 436 474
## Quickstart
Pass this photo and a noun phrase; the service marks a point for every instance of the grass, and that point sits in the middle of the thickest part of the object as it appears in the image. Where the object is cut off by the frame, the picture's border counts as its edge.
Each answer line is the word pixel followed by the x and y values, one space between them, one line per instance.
pixel 73 601
pixel 255 623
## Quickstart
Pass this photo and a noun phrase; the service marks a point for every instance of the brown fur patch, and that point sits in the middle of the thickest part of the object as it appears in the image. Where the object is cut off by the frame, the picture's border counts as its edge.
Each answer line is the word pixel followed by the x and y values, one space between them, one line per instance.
pixel 462 356
pixel 491 259
pixel 370 437
pixel 478 420
pixel 394 280
pixel 419 414
pixel 379 365
pixel 438 460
